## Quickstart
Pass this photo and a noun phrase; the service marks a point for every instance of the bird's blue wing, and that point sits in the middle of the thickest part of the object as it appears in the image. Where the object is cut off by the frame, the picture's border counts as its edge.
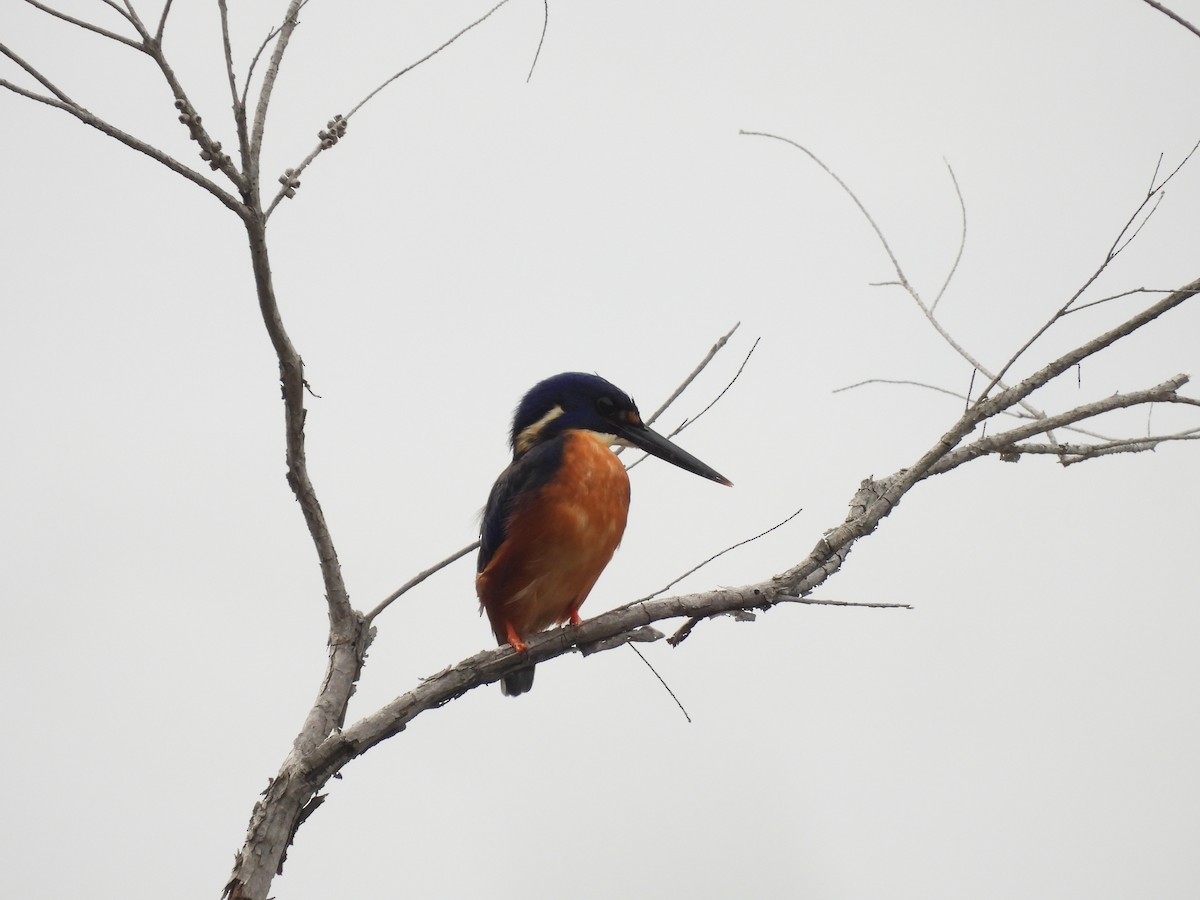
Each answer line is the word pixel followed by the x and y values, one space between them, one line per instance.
pixel 523 478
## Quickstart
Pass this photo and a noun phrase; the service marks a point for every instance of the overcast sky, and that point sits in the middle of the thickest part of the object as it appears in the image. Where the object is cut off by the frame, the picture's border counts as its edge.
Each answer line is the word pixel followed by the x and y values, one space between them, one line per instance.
pixel 1028 730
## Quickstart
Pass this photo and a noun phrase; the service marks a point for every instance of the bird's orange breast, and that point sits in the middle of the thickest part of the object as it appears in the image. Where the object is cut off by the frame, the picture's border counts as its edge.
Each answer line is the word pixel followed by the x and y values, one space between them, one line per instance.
pixel 557 541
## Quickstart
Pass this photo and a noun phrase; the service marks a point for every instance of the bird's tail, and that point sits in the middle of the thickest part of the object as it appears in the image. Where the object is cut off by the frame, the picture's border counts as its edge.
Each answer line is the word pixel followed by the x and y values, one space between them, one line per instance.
pixel 516 683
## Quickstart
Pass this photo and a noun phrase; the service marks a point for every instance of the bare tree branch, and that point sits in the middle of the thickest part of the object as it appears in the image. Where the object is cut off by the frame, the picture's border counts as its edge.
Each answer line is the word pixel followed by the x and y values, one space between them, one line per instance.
pixel 1071 454
pixel 121 11
pixel 64 100
pixel 290 181
pixel 1173 15
pixel 149 45
pixel 815 601
pixel 901 279
pixel 683 385
pixel 1121 295
pixel 536 55
pixel 274 821
pixel 290 21
pixel 87 26
pixel 1124 236
pixel 128 140
pixel 1014 413
pixel 691 421
pixel 666 587
pixel 418 578
pixel 732 381
pixel 962 240
pixel 1007 443
pixel 162 22
pixel 303 775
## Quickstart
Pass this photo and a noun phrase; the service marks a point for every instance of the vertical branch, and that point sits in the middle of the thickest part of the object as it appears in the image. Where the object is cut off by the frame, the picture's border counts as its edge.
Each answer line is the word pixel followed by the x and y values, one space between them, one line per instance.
pixel 291 377
pixel 290 21
pixel 292 793
pixel 238 101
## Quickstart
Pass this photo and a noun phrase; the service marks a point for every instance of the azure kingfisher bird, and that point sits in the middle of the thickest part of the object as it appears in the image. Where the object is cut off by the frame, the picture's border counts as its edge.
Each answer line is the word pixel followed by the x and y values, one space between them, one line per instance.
pixel 555 516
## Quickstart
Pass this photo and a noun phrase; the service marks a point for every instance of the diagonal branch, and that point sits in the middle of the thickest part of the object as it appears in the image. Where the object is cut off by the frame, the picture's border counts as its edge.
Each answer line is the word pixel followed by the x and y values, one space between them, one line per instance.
pixel 130 141
pixel 417 579
pixel 874 501
pixel 670 584
pixel 87 26
pixel 902 279
pixel 1007 443
pixel 693 420
pixel 683 385
pixel 63 99
pixel 1173 15
pixel 310 765
pixel 1016 414
pixel 290 181
pixel 1122 240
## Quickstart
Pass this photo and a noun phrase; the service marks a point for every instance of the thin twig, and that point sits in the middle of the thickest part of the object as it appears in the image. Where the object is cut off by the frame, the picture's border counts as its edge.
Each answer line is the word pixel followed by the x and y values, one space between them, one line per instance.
pixel 238 100
pixel 1014 413
pixel 136 21
pixel 1008 443
pixel 162 22
pixel 295 172
pixel 721 553
pixel 1119 243
pixel 227 44
pixel 123 13
pixel 87 26
pixel 661 681
pixel 687 422
pixel 683 385
pixel 1173 15
pixel 1142 224
pixel 1128 293
pixel 536 55
pixel 418 578
pixel 962 239
pixel 63 100
pixel 736 375
pixel 130 141
pixel 428 56
pixel 1070 454
pixel 901 279
pixel 1175 171
pixel 813 601
pixel 271 35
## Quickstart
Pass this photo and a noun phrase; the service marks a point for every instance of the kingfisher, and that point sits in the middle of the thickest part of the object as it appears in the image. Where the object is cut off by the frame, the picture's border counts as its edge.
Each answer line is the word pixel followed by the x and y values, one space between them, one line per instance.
pixel 555 516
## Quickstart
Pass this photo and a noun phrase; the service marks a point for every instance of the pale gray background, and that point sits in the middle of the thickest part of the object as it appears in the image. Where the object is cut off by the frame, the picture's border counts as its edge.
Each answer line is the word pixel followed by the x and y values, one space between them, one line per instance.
pixel 1028 731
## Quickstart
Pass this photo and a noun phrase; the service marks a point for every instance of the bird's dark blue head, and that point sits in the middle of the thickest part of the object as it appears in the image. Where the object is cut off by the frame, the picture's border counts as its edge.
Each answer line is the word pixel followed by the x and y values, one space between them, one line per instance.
pixel 576 401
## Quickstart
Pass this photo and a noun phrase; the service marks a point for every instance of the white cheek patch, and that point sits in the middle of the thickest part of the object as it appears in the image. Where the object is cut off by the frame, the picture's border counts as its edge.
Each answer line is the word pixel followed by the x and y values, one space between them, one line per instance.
pixel 528 437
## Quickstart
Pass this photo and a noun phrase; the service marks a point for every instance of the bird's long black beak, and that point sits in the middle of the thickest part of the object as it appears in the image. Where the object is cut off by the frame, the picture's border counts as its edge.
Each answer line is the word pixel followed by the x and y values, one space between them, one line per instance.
pixel 645 438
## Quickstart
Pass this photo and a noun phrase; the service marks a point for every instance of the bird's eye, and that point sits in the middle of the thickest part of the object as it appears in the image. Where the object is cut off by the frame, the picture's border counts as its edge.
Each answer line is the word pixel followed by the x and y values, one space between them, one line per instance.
pixel 605 406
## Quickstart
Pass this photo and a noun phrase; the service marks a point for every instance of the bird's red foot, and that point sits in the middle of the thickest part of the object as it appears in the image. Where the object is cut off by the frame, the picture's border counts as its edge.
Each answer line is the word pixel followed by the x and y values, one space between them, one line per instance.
pixel 575 620
pixel 514 639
